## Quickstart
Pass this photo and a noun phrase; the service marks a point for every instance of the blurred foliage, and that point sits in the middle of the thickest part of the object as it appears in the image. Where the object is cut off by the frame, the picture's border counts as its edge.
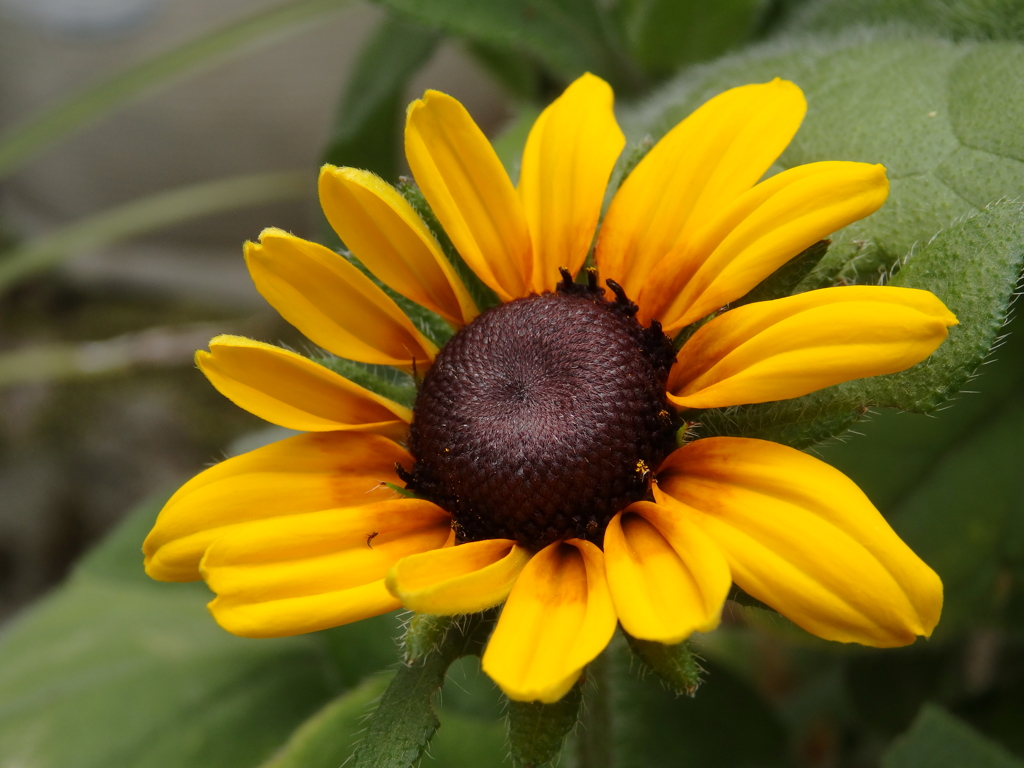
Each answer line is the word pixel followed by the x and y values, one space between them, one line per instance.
pixel 932 89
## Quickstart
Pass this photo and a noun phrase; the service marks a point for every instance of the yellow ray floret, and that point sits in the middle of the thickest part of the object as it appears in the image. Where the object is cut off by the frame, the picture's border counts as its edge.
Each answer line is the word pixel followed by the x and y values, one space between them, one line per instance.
pixel 568 158
pixel 470 193
pixel 695 171
pixel 384 232
pixel 305 473
pixel 464 579
pixel 292 391
pixel 667 578
pixel 334 304
pixel 301 573
pixel 755 235
pixel 557 619
pixel 803 538
pixel 775 350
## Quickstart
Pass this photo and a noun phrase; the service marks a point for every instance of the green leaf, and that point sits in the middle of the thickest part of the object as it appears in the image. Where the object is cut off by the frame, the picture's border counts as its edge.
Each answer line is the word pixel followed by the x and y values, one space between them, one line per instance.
pixel 481 294
pixel 665 35
pixel 537 732
pixel 150 214
pixel 326 739
pixel 367 129
pixel 398 731
pixel 33 136
pixel 973 267
pixel 521 75
pixel 726 724
pixel 937 740
pixel 569 36
pixel 116 669
pixel 929 110
pixel 676 664
pixel 978 19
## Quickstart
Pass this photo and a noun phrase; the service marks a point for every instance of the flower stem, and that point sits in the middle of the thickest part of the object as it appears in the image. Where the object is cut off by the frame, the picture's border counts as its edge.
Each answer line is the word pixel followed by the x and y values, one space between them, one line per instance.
pixel 594 737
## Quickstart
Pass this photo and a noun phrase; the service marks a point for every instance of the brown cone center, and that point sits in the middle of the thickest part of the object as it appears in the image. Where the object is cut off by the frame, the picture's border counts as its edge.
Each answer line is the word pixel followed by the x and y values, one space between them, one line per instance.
pixel 543 418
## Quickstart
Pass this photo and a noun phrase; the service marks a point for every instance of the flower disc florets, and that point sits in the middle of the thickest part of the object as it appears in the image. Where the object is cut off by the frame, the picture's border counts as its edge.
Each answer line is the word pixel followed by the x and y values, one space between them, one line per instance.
pixel 544 417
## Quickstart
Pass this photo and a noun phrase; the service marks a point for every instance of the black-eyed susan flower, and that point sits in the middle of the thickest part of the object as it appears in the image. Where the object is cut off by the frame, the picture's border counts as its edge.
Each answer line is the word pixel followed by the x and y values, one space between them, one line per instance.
pixel 541 453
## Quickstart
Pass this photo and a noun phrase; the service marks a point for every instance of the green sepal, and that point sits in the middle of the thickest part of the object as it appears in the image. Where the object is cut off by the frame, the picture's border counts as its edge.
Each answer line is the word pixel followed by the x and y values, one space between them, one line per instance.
pixel 537 732
pixel 480 293
pixel 400 727
pixel 676 664
pixel 382 379
pixel 634 155
pixel 424 633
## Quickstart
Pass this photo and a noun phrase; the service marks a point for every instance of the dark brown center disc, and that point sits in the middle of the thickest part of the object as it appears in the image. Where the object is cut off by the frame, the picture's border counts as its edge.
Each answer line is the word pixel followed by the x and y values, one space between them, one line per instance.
pixel 543 418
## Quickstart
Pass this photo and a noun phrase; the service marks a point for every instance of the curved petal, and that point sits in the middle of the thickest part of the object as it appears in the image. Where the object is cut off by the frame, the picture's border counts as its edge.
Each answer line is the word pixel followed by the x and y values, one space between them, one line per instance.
pixel 302 573
pixel 696 170
pixel 465 183
pixel 292 391
pixel 384 232
pixel 758 233
pixel 463 579
pixel 774 350
pixel 305 473
pixel 557 619
pixel 667 578
pixel 335 305
pixel 568 158
pixel 803 538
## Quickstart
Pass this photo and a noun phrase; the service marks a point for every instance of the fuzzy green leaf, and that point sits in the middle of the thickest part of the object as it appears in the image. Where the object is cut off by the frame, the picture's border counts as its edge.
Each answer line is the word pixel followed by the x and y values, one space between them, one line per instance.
pixel 941 117
pixel 537 732
pixel 367 129
pixel 939 740
pixel 973 267
pixel 977 19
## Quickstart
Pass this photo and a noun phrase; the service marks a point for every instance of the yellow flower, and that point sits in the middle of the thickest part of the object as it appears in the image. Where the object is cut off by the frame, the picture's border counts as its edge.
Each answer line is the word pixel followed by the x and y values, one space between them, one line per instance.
pixel 542 449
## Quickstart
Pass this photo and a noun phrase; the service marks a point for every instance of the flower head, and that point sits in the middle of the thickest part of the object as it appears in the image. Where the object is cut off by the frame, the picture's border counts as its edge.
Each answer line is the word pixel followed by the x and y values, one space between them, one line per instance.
pixel 540 460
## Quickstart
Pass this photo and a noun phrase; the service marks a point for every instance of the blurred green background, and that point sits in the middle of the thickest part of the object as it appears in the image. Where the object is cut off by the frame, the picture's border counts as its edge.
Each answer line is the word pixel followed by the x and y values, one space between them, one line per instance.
pixel 141 141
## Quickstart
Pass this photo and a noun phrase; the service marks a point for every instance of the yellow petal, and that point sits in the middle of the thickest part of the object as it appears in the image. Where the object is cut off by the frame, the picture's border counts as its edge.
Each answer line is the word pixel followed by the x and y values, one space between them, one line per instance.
pixel 469 191
pixel 759 232
pixel 667 578
pixel 334 304
pixel 695 171
pixel 568 158
pixel 292 391
pixel 464 579
pixel 384 232
pixel 803 538
pixel 305 473
pixel 557 619
pixel 302 573
pixel 774 350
